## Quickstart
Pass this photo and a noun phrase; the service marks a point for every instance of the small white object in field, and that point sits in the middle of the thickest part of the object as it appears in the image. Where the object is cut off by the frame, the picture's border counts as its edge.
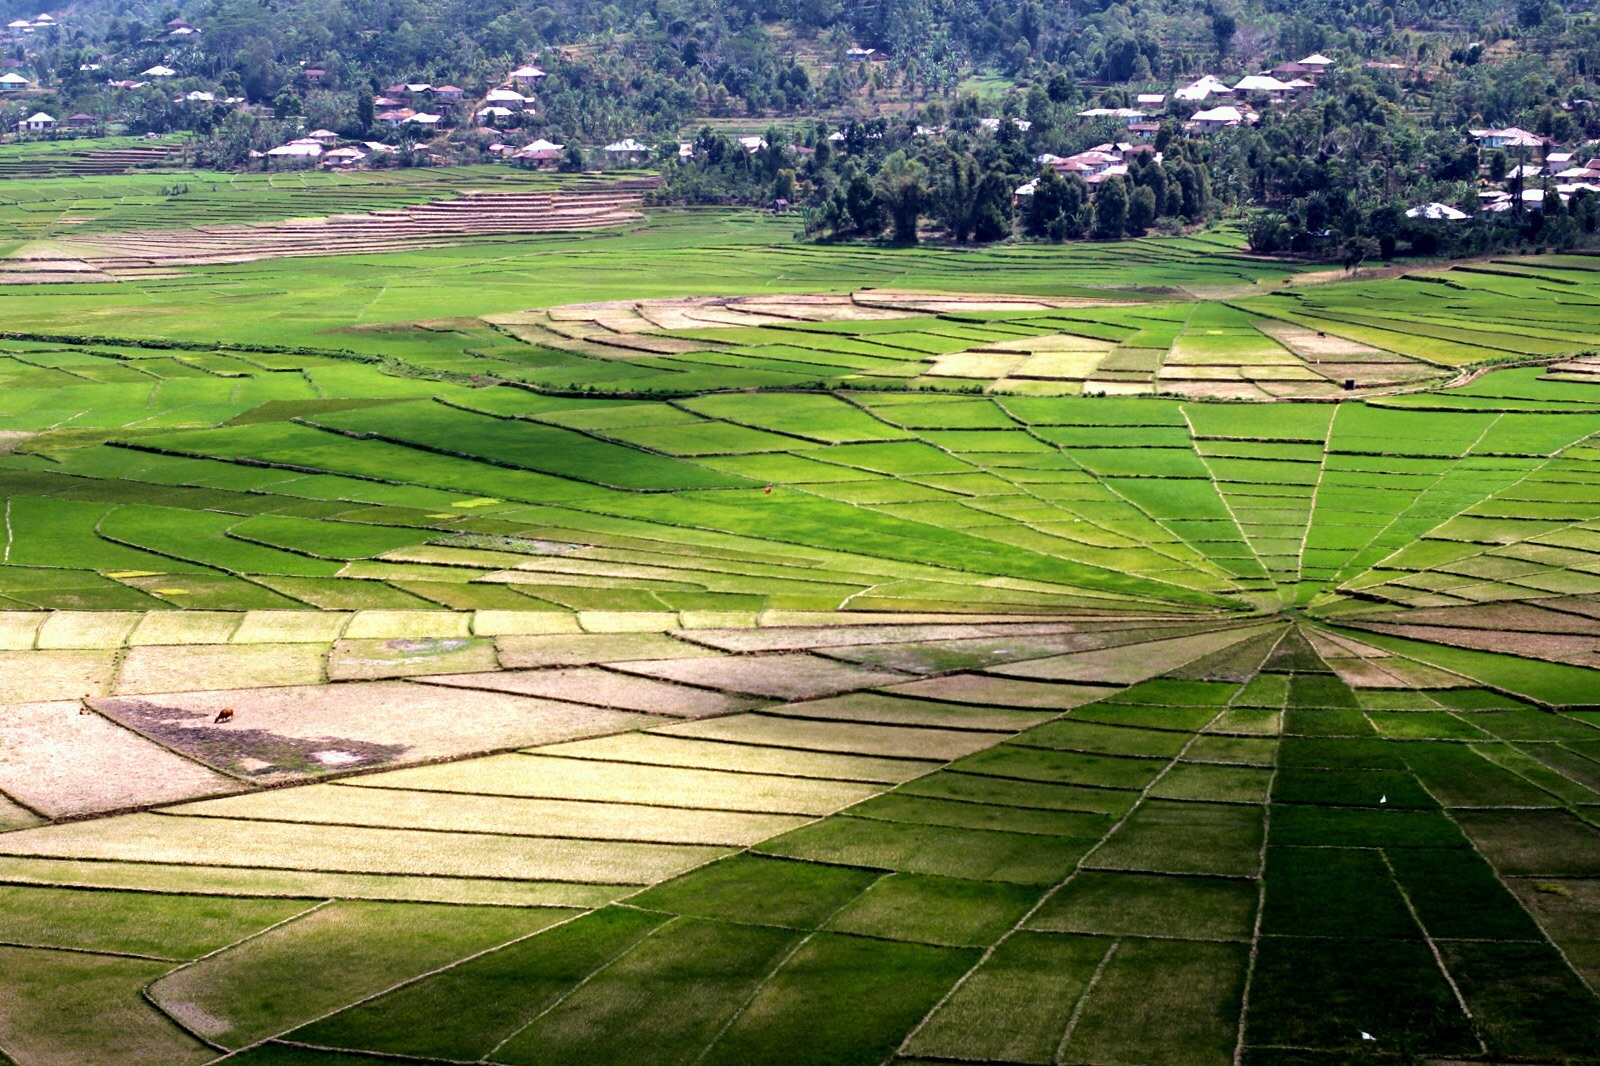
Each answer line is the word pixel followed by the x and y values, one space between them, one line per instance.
pixel 1367 1036
pixel 335 758
pixel 1384 798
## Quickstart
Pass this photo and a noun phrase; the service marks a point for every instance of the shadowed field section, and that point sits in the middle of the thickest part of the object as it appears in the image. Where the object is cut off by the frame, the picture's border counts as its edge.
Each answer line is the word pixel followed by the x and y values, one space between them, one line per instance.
pixel 1158 871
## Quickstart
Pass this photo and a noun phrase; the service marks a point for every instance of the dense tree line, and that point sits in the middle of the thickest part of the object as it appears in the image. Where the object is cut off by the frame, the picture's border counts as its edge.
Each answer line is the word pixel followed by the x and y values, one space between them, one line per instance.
pixel 1330 171
pixel 881 179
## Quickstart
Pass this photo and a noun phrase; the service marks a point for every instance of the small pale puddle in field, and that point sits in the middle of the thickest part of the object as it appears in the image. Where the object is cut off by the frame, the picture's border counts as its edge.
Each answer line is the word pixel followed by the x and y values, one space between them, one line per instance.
pixel 335 758
pixel 428 645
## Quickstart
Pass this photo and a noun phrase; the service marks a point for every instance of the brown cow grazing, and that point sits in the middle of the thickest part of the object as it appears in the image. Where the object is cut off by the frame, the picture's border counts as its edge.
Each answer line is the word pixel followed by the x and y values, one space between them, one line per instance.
pixel 223 717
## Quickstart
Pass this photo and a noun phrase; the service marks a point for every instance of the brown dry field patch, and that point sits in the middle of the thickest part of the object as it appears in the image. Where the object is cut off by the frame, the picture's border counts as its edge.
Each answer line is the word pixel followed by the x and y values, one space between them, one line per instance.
pixel 666 749
pixel 305 731
pixel 170 668
pixel 62 762
pixel 586 649
pixel 602 688
pixel 1573 650
pixel 153 252
pixel 782 676
pixel 868 738
pixel 1002 692
pixel 508 816
pixel 543 776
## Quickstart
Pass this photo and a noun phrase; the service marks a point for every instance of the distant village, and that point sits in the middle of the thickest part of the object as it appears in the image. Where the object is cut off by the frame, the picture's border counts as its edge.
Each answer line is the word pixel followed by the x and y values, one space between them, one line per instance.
pixel 422 122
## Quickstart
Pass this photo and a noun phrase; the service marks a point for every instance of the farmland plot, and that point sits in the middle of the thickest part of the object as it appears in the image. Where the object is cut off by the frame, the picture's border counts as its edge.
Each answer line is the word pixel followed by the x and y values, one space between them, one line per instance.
pixel 841 675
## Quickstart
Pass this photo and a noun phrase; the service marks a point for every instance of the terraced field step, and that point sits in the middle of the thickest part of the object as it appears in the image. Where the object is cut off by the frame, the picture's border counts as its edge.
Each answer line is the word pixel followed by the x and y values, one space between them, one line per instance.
pixel 486 214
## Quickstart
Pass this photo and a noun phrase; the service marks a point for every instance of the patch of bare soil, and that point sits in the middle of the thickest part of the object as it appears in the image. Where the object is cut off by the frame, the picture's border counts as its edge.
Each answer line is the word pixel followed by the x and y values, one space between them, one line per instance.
pixel 302 731
pixel 602 688
pixel 790 677
pixel 1573 650
pixel 139 253
pixel 63 762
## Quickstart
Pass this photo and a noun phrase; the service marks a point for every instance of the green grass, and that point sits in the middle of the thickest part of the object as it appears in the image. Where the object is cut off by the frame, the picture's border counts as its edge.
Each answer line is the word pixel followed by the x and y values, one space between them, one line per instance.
pixel 1150 905
pixel 840 1000
pixel 1196 838
pixel 1325 993
pixel 1015 1007
pixel 1163 1002
pixel 760 890
pixel 165 926
pixel 263 989
pixel 936 910
pixel 400 431
pixel 661 1002
pixel 1017 858
pixel 465 1011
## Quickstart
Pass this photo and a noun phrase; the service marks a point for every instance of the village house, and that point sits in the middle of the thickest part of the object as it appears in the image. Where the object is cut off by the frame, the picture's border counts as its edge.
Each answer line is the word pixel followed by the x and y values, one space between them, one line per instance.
pixel 80 121
pixel 627 152
pixel 12 82
pixel 1317 63
pixel 860 55
pixel 38 122
pixel 1202 89
pixel 446 93
pixel 1513 137
pixel 314 75
pixel 1261 85
pixel 992 125
pixel 158 71
pixel 1216 118
pixel 1084 164
pixel 1115 170
pixel 1289 72
pixel 323 137
pixel 1154 100
pixel 300 152
pixel 493 116
pixel 343 157
pixel 1588 171
pixel 1436 212
pixel 539 155
pixel 25 26
pixel 527 76
pixel 505 98
pixel 1126 115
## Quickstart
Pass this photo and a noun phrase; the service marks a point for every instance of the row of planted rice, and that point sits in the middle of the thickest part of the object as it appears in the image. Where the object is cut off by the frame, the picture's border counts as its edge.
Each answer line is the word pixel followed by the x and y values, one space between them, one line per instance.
pixel 561 826
pixel 979 875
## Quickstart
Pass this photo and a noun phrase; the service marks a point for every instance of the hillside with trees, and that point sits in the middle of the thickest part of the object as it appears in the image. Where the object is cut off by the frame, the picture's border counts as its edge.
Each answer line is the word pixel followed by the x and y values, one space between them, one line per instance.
pixel 902 119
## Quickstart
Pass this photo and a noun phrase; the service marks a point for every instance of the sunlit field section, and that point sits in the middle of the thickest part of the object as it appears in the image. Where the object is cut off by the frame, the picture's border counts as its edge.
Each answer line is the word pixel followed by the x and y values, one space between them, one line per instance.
pixel 679 644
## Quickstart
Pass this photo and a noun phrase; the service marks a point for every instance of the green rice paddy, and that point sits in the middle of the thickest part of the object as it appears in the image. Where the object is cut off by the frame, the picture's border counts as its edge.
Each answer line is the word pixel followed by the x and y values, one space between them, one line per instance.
pixel 949 678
